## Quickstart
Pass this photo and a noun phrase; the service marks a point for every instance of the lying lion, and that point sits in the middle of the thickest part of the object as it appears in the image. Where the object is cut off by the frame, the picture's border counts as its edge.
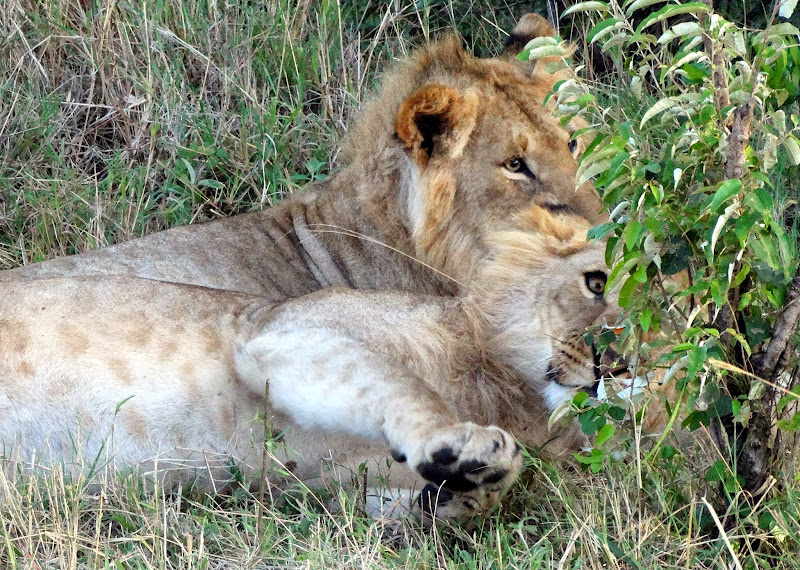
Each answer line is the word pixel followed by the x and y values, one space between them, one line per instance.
pixel 120 372
pixel 451 149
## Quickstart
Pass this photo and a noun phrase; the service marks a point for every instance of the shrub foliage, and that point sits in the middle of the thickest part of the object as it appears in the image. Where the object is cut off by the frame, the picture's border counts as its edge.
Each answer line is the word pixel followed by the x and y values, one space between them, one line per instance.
pixel 695 155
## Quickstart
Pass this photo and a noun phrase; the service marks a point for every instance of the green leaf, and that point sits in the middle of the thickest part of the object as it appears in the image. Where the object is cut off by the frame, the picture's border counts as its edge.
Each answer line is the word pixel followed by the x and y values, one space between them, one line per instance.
pixel 660 106
pixel 673 10
pixel 697 358
pixel 592 170
pixel 595 457
pixel 604 434
pixel 626 291
pixel 787 399
pixel 632 233
pixel 717 472
pixel 757 329
pixel 602 28
pixel 599 232
pixel 668 452
pixel 190 170
pixel 621 269
pixel 785 28
pixel 744 224
pixel 645 318
pixel 760 200
pixel 616 413
pixel 792 147
pixel 211 183
pixel 585 7
pixel 640 275
pixel 790 425
pixel 765 249
pixel 690 29
pixel 726 190
pixel 639 4
pixel 580 398
pixel 696 419
pixel 589 422
pixel 545 51
pixel 733 484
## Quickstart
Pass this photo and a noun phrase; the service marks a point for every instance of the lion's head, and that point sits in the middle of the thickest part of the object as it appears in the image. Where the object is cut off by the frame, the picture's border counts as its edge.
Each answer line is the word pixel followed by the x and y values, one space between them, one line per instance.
pixel 471 147
pixel 539 291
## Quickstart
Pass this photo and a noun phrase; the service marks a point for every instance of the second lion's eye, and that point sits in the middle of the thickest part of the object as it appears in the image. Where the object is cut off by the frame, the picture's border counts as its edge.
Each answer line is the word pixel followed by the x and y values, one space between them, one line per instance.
pixel 514 164
pixel 572 146
pixel 595 282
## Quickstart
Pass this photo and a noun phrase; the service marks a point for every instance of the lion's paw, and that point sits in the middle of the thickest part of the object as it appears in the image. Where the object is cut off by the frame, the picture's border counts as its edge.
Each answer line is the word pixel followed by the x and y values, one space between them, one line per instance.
pixel 469 464
pixel 445 504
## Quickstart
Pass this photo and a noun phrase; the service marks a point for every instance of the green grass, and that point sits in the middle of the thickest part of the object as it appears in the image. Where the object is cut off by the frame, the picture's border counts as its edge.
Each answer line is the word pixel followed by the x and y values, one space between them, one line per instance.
pixel 119 118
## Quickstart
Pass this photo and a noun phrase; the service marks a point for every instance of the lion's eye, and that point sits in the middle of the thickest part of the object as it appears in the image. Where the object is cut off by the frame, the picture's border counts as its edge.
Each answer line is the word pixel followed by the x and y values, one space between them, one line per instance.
pixel 514 164
pixel 595 282
pixel 572 146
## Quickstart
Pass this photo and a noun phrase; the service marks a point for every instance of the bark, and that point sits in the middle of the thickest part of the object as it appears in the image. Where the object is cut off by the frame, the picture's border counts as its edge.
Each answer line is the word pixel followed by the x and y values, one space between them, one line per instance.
pixel 738 140
pixel 718 76
pixel 761 454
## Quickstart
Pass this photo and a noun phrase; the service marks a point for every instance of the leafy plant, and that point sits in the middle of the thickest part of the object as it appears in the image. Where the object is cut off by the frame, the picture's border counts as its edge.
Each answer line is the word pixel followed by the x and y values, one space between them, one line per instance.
pixel 685 156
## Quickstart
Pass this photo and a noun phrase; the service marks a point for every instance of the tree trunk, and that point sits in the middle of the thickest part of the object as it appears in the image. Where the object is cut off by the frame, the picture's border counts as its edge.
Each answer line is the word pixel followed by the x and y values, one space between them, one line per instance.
pixel 766 451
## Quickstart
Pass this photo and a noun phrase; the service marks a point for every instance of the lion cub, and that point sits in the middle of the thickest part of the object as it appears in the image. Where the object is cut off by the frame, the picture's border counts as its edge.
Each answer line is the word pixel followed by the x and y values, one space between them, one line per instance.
pixel 118 372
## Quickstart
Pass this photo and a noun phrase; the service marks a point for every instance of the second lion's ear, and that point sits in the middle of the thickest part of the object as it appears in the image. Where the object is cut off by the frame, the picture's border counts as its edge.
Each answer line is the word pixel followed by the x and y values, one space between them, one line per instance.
pixel 530 26
pixel 435 119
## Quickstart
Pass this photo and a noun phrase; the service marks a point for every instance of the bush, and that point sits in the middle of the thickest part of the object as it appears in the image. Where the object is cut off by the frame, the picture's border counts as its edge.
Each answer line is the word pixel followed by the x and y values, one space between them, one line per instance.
pixel 696 153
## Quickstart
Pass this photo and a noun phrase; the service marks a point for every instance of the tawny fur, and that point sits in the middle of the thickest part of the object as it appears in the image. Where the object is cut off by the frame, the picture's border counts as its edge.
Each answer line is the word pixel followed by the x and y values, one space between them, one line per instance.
pixel 123 372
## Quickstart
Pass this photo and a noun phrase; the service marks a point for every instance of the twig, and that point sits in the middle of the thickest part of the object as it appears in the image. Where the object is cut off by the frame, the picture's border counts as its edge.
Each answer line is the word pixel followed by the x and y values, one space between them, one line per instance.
pixel 266 459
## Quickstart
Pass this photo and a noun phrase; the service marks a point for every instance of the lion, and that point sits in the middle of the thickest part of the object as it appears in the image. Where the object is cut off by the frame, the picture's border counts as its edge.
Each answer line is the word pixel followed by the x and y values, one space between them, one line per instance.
pixel 117 372
pixel 451 149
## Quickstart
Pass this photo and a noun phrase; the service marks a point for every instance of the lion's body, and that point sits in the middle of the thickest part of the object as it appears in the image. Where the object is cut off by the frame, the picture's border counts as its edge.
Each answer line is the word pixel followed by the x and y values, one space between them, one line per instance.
pixel 127 372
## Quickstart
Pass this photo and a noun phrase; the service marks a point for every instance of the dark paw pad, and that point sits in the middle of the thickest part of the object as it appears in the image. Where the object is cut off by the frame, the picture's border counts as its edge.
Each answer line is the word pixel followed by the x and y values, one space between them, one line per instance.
pixel 445 456
pixel 432 497
pixel 463 477
pixel 495 477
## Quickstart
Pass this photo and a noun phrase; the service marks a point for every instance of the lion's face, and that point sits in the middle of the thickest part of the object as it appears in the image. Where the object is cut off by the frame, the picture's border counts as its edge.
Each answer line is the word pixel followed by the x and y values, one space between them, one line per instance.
pixel 479 150
pixel 540 293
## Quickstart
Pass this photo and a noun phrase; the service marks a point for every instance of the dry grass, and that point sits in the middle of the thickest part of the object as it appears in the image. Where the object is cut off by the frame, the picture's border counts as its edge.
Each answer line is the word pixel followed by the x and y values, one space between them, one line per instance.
pixel 556 519
pixel 119 118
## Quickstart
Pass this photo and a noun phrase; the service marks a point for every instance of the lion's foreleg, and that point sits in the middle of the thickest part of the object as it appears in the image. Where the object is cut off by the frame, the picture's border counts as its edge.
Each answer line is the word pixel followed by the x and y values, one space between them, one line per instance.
pixel 324 379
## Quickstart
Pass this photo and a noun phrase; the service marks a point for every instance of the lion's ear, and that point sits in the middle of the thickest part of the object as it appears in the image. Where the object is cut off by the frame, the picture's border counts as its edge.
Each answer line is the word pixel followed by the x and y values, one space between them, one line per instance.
pixel 435 119
pixel 546 71
pixel 529 27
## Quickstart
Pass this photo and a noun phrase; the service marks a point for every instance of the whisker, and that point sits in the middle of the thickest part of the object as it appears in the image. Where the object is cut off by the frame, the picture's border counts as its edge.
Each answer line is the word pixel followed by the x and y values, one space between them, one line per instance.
pixel 351 233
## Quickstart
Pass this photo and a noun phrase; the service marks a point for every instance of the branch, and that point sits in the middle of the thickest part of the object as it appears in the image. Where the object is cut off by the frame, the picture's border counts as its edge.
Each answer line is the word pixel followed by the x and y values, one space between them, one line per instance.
pixel 738 139
pixel 721 93
pixel 760 448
